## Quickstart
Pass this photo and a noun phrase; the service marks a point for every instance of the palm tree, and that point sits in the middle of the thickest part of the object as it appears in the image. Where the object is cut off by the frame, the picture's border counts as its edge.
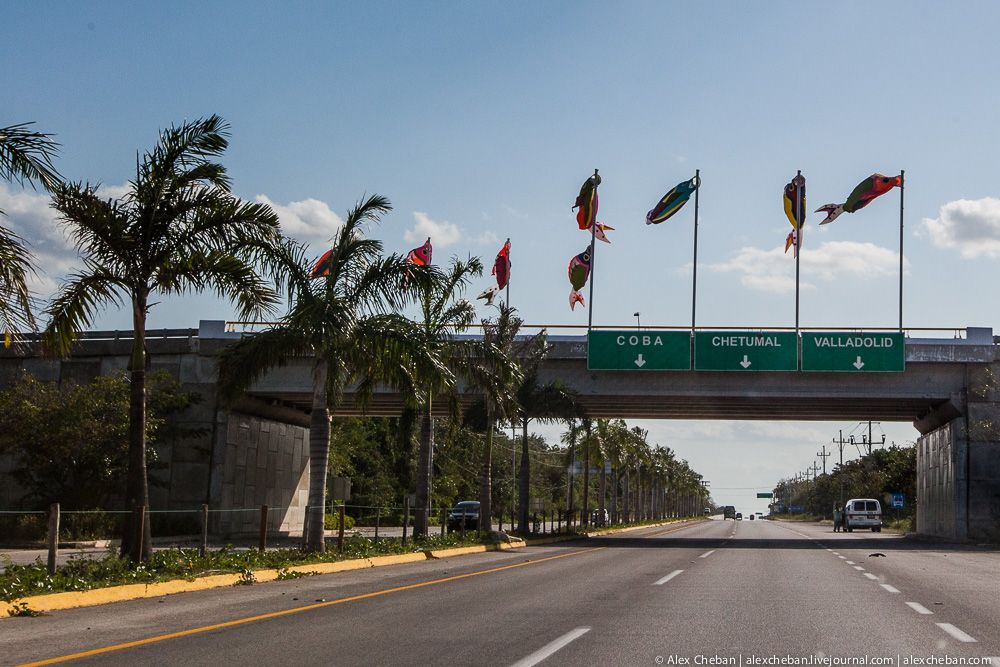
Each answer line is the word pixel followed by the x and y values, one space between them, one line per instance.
pixel 347 322
pixel 177 230
pixel 443 313
pixel 25 157
pixel 547 402
pixel 492 370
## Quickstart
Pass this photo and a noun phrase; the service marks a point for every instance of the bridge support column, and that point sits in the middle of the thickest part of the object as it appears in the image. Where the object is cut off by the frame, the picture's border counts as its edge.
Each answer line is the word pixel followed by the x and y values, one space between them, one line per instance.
pixel 958 467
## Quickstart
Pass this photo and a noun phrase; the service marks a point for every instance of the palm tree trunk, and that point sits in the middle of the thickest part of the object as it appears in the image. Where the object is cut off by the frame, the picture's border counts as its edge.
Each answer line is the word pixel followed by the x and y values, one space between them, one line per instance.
pixel 524 485
pixel 615 481
pixel 603 490
pixel 319 457
pixel 485 482
pixel 425 466
pixel 625 497
pixel 586 476
pixel 137 486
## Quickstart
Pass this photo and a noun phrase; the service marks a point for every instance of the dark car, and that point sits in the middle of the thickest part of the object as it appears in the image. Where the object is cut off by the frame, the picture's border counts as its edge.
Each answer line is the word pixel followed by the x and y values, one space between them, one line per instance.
pixel 739 516
pixel 468 509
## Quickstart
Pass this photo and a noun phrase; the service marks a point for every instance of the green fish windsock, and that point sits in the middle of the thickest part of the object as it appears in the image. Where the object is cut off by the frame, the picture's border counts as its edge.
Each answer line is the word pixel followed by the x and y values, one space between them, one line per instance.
pixel 578 271
pixel 672 202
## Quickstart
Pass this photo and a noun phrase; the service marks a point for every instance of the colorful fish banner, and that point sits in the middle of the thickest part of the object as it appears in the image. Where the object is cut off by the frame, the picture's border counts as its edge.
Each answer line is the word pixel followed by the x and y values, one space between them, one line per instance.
pixel 795 211
pixel 587 203
pixel 672 202
pixel 421 256
pixel 578 272
pixel 874 186
pixel 501 269
pixel 323 265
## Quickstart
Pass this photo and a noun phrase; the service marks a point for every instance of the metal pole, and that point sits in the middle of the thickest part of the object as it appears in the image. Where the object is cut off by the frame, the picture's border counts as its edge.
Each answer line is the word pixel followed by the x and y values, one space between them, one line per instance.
pixel 901 183
pixel 798 245
pixel 406 516
pixel 340 529
pixel 262 542
pixel 204 531
pixel 593 238
pixel 53 536
pixel 694 281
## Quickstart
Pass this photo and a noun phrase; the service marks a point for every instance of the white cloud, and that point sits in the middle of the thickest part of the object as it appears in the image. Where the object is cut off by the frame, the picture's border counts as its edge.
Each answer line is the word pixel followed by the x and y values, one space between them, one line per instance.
pixel 972 226
pixel 309 220
pixel 443 234
pixel 774 271
pixel 29 215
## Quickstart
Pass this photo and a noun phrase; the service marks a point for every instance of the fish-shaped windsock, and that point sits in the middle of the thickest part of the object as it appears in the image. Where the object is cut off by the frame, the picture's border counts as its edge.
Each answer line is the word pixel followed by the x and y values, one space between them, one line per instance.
pixel 421 256
pixel 489 295
pixel 501 267
pixel 578 271
pixel 795 211
pixel 599 230
pixel 874 186
pixel 323 265
pixel 672 202
pixel 586 201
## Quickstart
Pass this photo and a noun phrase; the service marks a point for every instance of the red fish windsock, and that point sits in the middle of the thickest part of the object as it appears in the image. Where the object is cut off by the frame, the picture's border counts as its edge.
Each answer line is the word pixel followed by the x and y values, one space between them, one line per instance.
pixel 586 203
pixel 874 186
pixel 501 267
pixel 323 265
pixel 421 256
pixel 578 272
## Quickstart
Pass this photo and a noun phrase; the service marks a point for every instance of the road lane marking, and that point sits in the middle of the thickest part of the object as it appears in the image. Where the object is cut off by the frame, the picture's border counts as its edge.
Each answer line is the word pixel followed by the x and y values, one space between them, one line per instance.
pixel 859 568
pixel 667 578
pixel 850 562
pixel 294 610
pixel 871 576
pixel 890 588
pixel 919 608
pixel 550 648
pixel 707 554
pixel 956 633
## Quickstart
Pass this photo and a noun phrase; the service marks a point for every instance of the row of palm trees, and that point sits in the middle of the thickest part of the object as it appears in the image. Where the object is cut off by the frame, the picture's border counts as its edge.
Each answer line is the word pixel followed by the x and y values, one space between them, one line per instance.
pixel 179 229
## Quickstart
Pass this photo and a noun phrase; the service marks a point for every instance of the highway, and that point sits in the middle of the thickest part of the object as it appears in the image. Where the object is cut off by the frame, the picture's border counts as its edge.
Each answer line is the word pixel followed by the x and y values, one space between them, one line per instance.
pixel 702 593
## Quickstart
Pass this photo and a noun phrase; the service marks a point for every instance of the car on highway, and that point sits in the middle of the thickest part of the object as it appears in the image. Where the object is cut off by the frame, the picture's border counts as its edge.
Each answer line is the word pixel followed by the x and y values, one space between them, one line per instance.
pixel 469 509
pixel 739 516
pixel 600 517
pixel 863 513
pixel 751 516
pixel 729 512
pixel 760 515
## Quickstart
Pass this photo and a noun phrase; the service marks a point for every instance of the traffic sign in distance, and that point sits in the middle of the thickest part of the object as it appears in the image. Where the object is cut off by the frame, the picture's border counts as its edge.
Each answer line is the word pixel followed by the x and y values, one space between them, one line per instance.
pixel 638 350
pixel 765 495
pixel 847 352
pixel 898 501
pixel 745 351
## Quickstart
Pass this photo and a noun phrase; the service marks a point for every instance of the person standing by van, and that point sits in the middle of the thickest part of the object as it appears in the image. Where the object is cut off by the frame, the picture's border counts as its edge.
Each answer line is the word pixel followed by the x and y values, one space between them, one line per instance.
pixel 838 517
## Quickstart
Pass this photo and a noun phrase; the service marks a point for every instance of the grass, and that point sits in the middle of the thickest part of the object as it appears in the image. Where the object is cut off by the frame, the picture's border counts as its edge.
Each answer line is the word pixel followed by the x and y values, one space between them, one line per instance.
pixel 796 517
pixel 20 581
pixel 904 525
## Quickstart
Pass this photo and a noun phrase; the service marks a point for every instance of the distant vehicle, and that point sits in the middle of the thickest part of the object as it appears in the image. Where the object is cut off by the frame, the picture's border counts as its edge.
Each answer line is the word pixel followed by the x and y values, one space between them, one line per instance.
pixel 600 517
pixel 863 513
pixel 739 516
pixel 760 515
pixel 708 511
pixel 470 510
pixel 751 516
pixel 728 512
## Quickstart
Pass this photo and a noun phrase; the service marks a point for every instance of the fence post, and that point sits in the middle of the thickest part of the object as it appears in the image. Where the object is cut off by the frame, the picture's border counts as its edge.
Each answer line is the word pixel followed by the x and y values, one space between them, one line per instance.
pixel 444 520
pixel 463 523
pixel 262 544
pixel 340 531
pixel 53 536
pixel 204 531
pixel 305 527
pixel 378 519
pixel 406 516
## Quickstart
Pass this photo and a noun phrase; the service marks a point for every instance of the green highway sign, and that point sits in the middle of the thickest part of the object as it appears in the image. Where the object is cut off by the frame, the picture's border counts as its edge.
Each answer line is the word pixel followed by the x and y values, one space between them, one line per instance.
pixel 745 351
pixel 638 350
pixel 765 495
pixel 844 351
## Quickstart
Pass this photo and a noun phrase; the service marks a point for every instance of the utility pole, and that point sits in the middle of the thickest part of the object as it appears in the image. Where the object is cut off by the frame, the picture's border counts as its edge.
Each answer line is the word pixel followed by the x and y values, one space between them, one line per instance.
pixel 815 468
pixel 824 454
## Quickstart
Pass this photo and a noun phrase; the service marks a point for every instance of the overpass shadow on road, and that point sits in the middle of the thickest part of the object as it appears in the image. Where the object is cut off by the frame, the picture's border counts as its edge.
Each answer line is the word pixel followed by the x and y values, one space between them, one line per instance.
pixel 833 541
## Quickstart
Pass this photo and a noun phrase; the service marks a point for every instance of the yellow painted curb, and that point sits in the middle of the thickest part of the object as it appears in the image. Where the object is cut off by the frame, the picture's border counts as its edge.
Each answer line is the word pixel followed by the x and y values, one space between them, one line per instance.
pixel 96 596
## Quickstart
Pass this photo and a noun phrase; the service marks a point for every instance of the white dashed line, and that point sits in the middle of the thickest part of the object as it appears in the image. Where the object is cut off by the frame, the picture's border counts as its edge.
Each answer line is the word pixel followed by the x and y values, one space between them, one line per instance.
pixel 890 588
pixel 871 576
pixel 850 562
pixel 667 578
pixel 921 609
pixel 550 648
pixel 859 568
pixel 707 554
pixel 842 557
pixel 956 633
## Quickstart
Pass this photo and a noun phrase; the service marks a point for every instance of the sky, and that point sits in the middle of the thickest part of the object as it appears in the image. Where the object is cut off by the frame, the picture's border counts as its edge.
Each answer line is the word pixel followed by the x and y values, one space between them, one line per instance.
pixel 479 121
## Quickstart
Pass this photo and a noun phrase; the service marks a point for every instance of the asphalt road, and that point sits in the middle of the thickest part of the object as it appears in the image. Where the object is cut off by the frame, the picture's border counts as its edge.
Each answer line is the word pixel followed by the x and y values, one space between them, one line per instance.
pixel 711 591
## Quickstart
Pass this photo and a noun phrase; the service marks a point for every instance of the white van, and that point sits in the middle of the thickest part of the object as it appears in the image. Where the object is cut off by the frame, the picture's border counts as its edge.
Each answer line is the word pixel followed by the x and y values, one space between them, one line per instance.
pixel 863 513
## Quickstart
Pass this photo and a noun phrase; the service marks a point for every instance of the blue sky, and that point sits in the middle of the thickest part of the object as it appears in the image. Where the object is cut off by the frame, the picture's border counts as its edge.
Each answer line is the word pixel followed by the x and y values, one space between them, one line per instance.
pixel 479 121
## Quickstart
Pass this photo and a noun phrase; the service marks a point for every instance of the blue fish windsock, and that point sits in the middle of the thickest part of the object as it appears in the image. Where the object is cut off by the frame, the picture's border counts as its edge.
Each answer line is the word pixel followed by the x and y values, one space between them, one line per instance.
pixel 672 202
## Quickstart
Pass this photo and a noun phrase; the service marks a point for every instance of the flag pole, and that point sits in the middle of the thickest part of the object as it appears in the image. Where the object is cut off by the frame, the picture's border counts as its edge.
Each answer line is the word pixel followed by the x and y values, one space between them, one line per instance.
pixel 798 244
pixel 508 275
pixel 593 238
pixel 694 281
pixel 901 184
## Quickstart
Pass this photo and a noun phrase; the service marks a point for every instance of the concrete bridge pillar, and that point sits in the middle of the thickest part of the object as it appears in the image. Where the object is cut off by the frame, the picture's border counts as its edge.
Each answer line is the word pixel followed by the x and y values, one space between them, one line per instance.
pixel 958 465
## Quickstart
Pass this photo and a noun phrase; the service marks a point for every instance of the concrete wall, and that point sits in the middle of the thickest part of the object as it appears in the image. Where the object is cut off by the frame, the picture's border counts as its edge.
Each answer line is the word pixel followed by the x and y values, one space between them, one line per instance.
pixel 940 492
pixel 266 462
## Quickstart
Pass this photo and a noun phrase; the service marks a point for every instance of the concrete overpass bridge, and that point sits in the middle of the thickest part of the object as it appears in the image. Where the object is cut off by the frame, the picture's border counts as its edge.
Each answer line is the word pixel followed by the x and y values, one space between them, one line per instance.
pixel 949 389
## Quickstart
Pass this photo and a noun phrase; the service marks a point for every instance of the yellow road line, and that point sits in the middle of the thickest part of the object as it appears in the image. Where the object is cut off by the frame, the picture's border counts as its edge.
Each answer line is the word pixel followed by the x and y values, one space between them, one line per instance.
pixel 286 612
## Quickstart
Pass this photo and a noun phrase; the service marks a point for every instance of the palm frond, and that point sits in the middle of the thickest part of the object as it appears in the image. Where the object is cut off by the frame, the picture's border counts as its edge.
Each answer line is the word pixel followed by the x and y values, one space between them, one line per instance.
pixel 76 305
pixel 15 298
pixel 26 156
pixel 245 362
pixel 227 275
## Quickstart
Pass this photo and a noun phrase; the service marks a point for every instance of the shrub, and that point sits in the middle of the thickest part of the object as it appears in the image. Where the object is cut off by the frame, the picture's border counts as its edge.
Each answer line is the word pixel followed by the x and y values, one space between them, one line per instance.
pixel 332 522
